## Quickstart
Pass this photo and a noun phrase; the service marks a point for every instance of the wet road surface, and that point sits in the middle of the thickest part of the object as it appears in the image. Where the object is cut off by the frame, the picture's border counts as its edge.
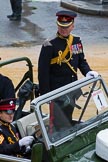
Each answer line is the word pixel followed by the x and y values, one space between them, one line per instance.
pixel 39 23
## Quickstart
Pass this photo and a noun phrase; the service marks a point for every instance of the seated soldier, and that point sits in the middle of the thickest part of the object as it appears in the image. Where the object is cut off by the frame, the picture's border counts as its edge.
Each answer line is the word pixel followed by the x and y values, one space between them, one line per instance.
pixel 10 143
pixel 6 88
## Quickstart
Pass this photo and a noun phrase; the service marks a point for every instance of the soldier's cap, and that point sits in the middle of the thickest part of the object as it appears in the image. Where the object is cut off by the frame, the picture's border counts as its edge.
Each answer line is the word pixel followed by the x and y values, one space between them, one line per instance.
pixel 8 105
pixel 65 18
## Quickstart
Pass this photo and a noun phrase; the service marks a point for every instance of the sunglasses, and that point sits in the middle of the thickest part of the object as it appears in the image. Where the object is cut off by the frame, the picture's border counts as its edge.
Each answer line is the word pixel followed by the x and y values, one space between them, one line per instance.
pixel 9 111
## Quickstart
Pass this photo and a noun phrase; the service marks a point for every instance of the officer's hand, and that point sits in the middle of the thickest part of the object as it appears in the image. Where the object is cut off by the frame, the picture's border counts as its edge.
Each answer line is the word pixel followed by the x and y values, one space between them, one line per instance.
pixel 26 141
pixel 28 148
pixel 92 74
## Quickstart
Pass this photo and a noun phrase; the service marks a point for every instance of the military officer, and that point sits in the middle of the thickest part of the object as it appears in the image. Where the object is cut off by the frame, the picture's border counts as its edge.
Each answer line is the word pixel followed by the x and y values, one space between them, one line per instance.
pixel 10 143
pixel 61 57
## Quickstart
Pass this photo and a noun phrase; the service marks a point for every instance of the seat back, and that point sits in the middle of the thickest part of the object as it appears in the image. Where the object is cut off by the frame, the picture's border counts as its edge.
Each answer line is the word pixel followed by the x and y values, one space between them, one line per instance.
pixel 24 123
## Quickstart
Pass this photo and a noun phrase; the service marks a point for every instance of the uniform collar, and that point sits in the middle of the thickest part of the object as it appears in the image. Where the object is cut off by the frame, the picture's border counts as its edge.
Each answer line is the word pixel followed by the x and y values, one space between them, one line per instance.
pixel 4 123
pixel 60 36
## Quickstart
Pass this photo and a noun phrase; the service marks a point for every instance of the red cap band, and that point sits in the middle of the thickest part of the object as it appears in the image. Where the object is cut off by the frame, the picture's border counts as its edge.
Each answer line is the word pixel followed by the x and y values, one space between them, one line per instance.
pixel 8 104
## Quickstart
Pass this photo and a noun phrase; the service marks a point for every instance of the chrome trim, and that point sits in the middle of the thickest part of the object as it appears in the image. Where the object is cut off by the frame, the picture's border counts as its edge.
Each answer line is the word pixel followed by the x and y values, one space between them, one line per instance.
pixel 8 158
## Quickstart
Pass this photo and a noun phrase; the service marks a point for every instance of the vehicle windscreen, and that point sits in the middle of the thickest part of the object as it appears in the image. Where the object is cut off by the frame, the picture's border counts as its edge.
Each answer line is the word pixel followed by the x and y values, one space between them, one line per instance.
pixel 71 110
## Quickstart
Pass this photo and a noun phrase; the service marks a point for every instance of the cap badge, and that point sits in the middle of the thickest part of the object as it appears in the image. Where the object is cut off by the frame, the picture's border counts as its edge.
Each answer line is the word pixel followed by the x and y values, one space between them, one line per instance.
pixel 11 103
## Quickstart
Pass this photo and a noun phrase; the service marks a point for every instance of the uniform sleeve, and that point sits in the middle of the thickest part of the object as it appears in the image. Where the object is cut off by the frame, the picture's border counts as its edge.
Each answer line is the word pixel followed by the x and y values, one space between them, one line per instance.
pixel 83 64
pixel 44 68
pixel 8 149
pixel 6 88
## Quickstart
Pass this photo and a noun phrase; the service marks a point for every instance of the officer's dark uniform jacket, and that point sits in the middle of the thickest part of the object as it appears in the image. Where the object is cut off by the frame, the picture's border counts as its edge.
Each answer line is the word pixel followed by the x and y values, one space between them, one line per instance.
pixel 53 76
pixel 9 140
pixel 6 88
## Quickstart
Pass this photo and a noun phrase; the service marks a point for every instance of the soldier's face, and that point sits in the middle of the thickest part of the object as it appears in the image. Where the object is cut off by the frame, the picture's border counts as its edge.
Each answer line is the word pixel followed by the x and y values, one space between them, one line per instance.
pixel 65 31
pixel 6 117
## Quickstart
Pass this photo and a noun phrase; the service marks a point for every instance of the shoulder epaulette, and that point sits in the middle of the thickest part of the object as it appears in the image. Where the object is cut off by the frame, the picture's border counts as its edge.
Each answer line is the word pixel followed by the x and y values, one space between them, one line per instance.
pixel 47 43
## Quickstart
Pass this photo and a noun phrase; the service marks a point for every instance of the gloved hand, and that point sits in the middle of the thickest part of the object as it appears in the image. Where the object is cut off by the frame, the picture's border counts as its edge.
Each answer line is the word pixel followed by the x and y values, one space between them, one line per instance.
pixel 92 74
pixel 28 149
pixel 26 141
